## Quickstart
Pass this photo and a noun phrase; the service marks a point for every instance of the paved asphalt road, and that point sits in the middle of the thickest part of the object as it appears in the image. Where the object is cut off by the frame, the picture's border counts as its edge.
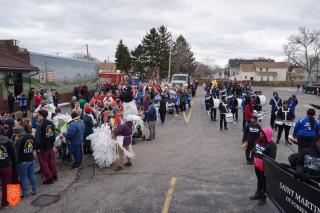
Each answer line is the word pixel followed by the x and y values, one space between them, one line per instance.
pixel 205 166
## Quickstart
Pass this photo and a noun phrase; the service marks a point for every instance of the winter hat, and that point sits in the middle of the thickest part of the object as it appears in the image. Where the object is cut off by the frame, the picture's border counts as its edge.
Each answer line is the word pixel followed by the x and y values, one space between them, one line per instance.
pixel 268 133
pixel 87 110
pixel 9 122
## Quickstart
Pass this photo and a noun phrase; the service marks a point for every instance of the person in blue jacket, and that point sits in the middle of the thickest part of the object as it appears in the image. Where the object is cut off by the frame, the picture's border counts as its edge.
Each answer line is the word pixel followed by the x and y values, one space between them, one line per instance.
pixel 206 101
pixel 74 135
pixel 306 129
pixel 276 104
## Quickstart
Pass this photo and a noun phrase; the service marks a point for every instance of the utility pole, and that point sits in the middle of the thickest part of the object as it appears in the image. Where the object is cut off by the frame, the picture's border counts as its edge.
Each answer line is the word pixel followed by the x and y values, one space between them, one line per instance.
pixel 169 69
pixel 87 47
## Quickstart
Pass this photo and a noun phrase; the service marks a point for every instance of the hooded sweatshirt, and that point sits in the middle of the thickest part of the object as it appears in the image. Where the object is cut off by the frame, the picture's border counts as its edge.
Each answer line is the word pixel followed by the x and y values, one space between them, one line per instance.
pixel 309 160
pixel 7 152
pixel 266 147
pixel 25 148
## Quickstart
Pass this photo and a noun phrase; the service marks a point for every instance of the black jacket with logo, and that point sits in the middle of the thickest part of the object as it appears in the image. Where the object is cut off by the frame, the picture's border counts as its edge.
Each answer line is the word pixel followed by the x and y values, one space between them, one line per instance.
pixel 251 133
pixel 7 152
pixel 47 135
pixel 25 148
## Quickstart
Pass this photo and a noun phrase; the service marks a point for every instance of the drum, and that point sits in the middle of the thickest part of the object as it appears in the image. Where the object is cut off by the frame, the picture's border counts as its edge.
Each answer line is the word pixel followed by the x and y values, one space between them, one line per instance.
pixel 216 103
pixel 229 117
pixel 239 103
pixel 263 100
pixel 280 123
pixel 289 123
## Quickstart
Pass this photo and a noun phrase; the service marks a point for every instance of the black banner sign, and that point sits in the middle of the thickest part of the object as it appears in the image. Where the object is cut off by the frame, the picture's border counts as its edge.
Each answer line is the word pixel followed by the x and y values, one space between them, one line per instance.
pixel 287 193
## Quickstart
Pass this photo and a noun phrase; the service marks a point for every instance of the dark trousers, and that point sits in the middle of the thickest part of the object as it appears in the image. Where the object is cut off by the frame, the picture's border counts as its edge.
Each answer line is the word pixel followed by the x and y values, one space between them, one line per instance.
pixel 183 106
pixel 286 131
pixel 244 122
pixel 304 143
pixel 162 117
pixel 235 113
pixel 47 163
pixel 249 151
pixel 6 178
pixel 261 180
pixel 272 119
pixel 76 151
pixel 213 114
pixel 177 109
pixel 223 119
pixel 86 146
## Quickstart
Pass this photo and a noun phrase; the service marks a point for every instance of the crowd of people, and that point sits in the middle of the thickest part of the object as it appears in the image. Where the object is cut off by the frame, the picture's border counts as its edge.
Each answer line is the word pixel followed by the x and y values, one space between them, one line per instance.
pixel 257 141
pixel 44 131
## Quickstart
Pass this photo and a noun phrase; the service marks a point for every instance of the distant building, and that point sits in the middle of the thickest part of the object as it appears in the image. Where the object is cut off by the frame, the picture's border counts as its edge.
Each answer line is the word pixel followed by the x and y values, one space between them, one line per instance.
pixel 233 68
pixel 296 73
pixel 264 71
pixel 218 73
pixel 107 67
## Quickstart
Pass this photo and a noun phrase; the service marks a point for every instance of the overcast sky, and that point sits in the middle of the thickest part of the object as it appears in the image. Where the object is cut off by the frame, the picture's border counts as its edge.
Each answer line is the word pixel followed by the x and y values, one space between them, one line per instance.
pixel 215 29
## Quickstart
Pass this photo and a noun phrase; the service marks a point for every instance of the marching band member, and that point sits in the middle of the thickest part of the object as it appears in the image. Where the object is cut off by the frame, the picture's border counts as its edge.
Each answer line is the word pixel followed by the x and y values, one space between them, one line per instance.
pixel 284 115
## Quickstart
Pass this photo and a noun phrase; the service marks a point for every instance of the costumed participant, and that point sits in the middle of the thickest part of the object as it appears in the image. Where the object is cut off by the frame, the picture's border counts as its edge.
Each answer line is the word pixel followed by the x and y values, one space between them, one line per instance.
pixel 308 164
pixel 45 138
pixel 8 164
pixel 293 102
pixel 248 110
pixel 257 102
pixel 183 100
pixel 163 109
pixel 284 115
pixel 74 135
pixel 25 159
pixel 275 104
pixel 306 129
pixel 213 110
pixel 263 145
pixel 223 111
pixel 124 130
pixel 250 135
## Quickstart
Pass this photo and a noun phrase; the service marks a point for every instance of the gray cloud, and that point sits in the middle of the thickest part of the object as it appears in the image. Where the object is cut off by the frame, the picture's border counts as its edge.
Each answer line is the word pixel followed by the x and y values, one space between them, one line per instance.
pixel 218 29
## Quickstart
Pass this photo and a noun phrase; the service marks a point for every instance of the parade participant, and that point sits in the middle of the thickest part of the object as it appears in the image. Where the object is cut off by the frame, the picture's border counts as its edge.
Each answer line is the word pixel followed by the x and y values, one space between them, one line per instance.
pixel 223 111
pixel 248 110
pixel 23 103
pixel 284 114
pixel 139 97
pixel 124 130
pixel 45 138
pixel 214 92
pixel 257 102
pixel 263 145
pixel 25 159
pixel 77 108
pixel 88 130
pixel 293 102
pixel 176 102
pixel 234 107
pixel 151 119
pixel 73 102
pixel 306 129
pixel 49 96
pixel 250 135
pixel 308 163
pixel 183 100
pixel 74 135
pixel 37 99
pixel 206 102
pixel 163 109
pixel 275 104
pixel 8 125
pixel 213 110
pixel 11 101
pixel 8 164
pixel 189 97
pixel 223 91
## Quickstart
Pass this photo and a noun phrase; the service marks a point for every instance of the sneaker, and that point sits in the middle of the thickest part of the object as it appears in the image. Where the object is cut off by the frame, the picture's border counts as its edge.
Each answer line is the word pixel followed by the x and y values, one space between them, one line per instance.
pixel 49 181
pixel 75 167
pixel 288 142
pixel 256 196
pixel 128 164
pixel 118 168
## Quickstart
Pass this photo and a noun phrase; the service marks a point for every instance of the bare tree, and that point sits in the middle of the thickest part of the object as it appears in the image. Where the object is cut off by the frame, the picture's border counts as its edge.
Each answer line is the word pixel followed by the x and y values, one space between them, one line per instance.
pixel 202 71
pixel 303 49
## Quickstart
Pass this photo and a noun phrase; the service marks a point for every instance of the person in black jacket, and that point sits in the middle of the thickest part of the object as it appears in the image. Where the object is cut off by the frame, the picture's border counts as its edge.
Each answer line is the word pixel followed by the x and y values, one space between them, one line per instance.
pixel 45 138
pixel 213 110
pixel 8 125
pixel 163 109
pixel 8 164
pixel 284 115
pixel 25 147
pixel 151 119
pixel 11 101
pixel 308 163
pixel 234 107
pixel 250 134
pixel 223 111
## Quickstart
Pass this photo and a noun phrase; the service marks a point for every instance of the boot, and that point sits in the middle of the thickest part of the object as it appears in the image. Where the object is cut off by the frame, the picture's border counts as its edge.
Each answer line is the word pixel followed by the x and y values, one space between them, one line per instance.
pixel 262 200
pixel 288 142
pixel 256 196
pixel 278 140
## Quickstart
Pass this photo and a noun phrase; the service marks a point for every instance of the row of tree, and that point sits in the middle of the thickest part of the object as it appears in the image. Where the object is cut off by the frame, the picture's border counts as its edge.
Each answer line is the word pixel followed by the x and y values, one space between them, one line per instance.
pixel 152 55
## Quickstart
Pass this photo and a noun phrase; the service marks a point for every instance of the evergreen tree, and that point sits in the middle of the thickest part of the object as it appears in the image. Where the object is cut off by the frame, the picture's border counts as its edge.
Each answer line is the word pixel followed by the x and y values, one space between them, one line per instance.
pixel 137 56
pixel 164 50
pixel 183 60
pixel 123 58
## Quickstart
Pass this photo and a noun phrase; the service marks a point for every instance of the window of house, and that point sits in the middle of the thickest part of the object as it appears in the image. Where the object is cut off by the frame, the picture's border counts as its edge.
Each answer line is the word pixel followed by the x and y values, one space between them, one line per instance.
pixel 245 77
pixel 267 69
pixel 251 78
pixel 260 69
pixel 268 78
pixel 234 73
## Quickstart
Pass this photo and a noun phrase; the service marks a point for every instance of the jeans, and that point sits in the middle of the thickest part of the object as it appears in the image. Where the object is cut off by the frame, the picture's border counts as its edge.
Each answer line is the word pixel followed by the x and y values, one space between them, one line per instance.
pixel 26 172
pixel 152 129
pixel 76 151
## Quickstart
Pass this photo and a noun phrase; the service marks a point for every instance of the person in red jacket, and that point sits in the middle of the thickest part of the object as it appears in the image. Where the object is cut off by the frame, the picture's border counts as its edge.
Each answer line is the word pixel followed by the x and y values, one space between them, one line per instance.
pixel 248 110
